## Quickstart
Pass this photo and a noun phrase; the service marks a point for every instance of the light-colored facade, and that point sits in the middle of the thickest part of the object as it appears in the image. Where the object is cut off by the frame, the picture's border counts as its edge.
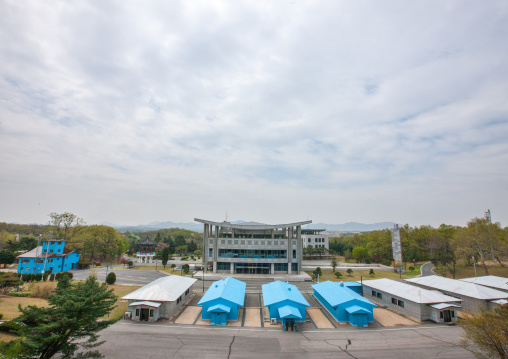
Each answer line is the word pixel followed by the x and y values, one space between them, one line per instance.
pixel 252 247
pixel 475 297
pixel 160 298
pixel 418 303
pixel 396 245
pixel 316 238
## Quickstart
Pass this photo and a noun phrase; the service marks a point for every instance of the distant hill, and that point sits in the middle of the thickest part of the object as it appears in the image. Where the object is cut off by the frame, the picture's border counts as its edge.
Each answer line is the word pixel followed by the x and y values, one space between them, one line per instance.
pixel 198 227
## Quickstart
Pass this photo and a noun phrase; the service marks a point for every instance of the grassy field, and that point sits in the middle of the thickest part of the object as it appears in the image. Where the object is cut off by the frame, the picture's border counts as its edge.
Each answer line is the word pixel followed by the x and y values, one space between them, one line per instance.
pixel 359 274
pixel 161 268
pixel 462 271
pixel 9 305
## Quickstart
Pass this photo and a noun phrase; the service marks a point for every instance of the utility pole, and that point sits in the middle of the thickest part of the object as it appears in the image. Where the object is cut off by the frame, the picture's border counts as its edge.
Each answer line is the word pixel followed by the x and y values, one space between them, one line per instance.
pixel 47 250
pixel 36 254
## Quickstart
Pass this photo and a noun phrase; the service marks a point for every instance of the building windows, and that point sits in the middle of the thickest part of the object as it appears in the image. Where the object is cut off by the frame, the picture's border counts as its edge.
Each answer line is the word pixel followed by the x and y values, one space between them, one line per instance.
pixel 294 253
pixel 281 267
pixel 179 300
pixel 400 303
pixel 452 313
pixel 394 301
pixel 380 295
pixel 151 313
pixel 373 293
pixel 210 252
pixel 441 315
pixel 137 312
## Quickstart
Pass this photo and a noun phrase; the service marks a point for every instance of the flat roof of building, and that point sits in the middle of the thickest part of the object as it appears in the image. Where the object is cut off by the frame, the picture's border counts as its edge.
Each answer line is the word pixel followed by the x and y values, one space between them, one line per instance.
pixel 409 292
pixel 251 225
pixel 459 287
pixel 489 281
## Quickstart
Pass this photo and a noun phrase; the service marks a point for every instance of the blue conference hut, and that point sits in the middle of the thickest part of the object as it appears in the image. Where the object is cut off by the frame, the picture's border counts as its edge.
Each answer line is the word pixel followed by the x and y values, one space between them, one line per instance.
pixel 285 303
pixel 344 304
pixel 223 300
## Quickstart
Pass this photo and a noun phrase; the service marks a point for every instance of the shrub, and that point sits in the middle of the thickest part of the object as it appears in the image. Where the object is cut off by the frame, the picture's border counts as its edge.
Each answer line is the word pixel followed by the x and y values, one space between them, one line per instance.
pixel 371 272
pixel 45 276
pixel 58 276
pixel 130 264
pixel 412 268
pixel 349 271
pixel 1 315
pixel 10 327
pixel 173 265
pixel 51 277
pixel 111 278
pixel 27 277
pixel 338 274
pixel 20 294
pixel 70 274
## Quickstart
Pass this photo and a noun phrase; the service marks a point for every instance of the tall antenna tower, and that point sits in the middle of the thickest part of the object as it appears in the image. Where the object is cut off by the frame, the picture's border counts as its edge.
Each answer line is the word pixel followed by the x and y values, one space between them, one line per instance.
pixel 489 222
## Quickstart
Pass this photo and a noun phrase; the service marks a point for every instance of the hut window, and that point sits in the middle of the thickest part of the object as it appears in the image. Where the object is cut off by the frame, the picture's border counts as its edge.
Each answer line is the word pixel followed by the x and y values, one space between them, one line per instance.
pixel 137 312
pixel 441 315
pixel 373 293
pixel 380 295
pixel 401 303
pixel 151 312
pixel 453 313
pixel 394 301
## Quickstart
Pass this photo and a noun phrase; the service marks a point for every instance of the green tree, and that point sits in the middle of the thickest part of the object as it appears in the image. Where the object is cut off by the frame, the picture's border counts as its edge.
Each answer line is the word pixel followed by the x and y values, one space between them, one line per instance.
pixel 192 246
pixel 111 278
pixel 347 255
pixel 180 241
pixel 350 272
pixel 334 264
pixel 371 272
pixel 486 333
pixel 8 280
pixel 66 225
pixel 165 256
pixel 360 254
pixel 181 249
pixel 185 268
pixel 70 323
pixel 7 257
pixel 338 274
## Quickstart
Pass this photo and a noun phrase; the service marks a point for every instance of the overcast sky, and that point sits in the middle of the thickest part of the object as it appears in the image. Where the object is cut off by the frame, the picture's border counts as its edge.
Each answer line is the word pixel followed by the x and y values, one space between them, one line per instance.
pixel 132 112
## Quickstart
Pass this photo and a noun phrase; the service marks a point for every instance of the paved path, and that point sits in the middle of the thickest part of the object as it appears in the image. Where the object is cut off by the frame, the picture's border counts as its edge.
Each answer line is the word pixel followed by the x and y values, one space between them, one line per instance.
pixel 426 269
pixel 131 340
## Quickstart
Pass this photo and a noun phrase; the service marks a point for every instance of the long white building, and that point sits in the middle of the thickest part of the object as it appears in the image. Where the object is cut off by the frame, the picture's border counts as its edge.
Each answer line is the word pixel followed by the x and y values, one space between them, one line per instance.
pixel 252 247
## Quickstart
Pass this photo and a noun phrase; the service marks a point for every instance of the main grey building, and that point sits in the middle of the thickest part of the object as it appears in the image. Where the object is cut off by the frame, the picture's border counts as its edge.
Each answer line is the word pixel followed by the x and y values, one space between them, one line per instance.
pixel 252 247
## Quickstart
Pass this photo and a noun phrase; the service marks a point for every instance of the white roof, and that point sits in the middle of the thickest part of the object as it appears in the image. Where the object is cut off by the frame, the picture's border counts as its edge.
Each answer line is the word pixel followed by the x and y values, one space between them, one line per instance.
pixel 165 289
pixel 147 303
pixel 444 305
pixel 409 292
pixel 31 253
pixel 493 281
pixel 500 301
pixel 459 287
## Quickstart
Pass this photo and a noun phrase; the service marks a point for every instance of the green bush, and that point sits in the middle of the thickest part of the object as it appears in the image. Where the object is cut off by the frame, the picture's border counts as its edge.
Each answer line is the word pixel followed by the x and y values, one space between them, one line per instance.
pixel 338 274
pixel 71 275
pixel 58 276
pixel 1 315
pixel 51 277
pixel 27 277
pixel 10 327
pixel 38 277
pixel 45 276
pixel 111 278
pixel 412 268
pixel 130 264
pixel 20 294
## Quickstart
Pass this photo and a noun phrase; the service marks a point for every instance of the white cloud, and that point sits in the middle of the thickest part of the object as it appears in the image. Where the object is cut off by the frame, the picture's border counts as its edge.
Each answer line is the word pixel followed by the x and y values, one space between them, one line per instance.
pixel 340 111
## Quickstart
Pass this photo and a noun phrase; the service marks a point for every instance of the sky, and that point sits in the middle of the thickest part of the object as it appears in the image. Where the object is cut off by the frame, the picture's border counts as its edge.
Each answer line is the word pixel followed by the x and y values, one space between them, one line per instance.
pixel 132 112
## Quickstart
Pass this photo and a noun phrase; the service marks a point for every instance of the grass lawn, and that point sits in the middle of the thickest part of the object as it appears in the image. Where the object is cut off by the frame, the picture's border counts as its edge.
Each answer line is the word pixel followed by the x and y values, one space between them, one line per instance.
pixel 462 271
pixel 161 268
pixel 358 274
pixel 9 305
pixel 6 337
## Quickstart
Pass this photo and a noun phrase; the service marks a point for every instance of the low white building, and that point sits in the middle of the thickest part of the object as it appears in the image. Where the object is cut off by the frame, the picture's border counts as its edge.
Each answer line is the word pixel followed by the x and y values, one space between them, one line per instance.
pixel 316 238
pixel 492 281
pixel 160 298
pixel 420 304
pixel 475 297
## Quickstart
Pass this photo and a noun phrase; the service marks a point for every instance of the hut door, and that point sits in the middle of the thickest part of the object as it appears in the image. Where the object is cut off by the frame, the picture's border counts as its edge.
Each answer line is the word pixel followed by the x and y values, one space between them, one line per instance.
pixel 144 314
pixel 447 316
pixel 214 318
pixel 223 318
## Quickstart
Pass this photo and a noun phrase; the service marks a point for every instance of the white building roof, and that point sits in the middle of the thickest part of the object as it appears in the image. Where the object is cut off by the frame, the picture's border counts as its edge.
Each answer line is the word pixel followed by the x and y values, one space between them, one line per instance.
pixel 459 287
pixel 440 306
pixel 165 289
pixel 493 281
pixel 409 292
pixel 500 301
pixel 146 303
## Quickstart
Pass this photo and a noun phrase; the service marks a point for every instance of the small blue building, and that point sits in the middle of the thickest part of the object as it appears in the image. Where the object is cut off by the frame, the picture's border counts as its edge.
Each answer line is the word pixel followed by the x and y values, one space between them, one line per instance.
pixel 344 304
pixel 51 257
pixel 354 286
pixel 223 300
pixel 285 303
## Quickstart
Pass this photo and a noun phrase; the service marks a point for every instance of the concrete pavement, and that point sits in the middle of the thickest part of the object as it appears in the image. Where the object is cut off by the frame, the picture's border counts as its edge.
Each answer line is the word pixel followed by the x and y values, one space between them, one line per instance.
pixel 131 340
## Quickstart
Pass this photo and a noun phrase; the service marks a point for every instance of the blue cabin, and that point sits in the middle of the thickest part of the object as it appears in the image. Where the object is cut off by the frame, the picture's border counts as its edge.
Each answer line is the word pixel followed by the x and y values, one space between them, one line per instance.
pixel 354 286
pixel 51 257
pixel 223 300
pixel 285 303
pixel 344 304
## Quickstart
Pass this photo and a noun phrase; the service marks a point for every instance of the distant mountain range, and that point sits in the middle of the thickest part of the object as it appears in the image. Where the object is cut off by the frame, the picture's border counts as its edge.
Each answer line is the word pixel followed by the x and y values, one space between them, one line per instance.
pixel 198 227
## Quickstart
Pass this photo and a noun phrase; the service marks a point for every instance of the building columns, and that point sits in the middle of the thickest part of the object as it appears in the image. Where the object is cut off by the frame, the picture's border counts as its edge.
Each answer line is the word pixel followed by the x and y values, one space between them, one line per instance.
pixel 272 268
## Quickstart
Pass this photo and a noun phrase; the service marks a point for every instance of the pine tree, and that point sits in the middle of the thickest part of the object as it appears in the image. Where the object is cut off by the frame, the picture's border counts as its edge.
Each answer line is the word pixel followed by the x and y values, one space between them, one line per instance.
pixel 69 324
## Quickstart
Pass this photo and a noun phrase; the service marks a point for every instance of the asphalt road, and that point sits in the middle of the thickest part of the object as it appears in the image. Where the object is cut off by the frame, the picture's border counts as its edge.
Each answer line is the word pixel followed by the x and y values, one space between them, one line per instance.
pixel 132 340
pixel 142 277
pixel 426 269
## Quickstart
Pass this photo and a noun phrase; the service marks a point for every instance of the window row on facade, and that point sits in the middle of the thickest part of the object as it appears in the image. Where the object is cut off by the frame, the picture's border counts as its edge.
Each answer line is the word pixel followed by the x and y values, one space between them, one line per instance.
pixel 253 253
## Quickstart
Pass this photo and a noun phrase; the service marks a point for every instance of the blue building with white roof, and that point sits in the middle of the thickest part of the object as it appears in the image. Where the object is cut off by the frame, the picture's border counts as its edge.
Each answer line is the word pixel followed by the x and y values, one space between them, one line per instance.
pixel 285 303
pixel 223 300
pixel 344 304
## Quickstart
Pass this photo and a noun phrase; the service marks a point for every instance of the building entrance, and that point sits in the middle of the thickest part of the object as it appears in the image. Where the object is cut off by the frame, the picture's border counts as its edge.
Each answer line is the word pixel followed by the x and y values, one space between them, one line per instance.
pixel 447 316
pixel 252 268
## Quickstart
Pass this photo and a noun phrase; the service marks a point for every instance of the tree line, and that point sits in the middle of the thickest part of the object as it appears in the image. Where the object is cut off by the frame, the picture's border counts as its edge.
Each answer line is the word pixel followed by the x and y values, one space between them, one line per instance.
pixel 479 241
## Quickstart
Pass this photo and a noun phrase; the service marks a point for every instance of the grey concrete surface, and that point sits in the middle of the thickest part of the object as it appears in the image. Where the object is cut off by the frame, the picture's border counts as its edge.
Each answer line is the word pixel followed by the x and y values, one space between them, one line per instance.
pixel 128 340
pixel 426 269
pixel 123 275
